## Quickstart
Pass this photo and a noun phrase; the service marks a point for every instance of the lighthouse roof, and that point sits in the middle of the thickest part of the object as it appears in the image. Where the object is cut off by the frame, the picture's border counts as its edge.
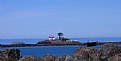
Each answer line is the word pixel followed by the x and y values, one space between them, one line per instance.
pixel 51 36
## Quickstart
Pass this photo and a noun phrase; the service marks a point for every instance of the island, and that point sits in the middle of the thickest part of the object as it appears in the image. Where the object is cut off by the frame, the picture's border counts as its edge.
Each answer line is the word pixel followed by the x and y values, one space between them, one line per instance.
pixel 51 41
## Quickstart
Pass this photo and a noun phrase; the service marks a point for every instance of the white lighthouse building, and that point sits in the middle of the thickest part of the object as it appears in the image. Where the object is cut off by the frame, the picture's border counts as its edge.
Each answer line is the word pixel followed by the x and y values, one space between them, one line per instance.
pixel 51 38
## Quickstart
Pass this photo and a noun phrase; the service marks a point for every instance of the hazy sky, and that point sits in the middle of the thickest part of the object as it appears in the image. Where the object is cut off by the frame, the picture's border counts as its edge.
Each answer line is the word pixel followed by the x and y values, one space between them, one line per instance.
pixel 75 18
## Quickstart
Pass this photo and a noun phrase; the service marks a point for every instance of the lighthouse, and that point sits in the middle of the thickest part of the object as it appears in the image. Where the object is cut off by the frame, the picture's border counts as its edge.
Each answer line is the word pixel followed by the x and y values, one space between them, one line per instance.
pixel 60 35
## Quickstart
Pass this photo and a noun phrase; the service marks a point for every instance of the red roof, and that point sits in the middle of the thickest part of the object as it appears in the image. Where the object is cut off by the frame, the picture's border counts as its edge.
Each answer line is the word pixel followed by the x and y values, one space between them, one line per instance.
pixel 51 36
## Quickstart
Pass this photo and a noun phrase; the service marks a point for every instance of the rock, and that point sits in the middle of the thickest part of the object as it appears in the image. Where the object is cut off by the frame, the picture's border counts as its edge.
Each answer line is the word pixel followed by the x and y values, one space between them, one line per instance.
pixel 115 58
pixel 61 58
pixel 111 49
pixel 85 54
pixel 9 55
pixel 66 58
pixel 101 54
pixel 70 58
pixel 2 57
pixel 107 51
pixel 30 58
pixel 49 58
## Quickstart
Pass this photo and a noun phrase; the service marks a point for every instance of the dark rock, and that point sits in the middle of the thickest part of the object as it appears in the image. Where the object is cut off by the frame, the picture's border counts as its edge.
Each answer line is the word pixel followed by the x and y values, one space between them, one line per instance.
pixel 70 58
pixel 111 49
pixel 30 58
pixel 107 51
pixel 10 55
pixel 61 58
pixel 101 54
pixel 85 54
pixel 115 58
pixel 49 58
pixel 65 58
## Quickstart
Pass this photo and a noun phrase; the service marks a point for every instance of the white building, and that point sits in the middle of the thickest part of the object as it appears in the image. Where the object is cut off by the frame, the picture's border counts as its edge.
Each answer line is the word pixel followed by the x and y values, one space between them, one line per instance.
pixel 51 38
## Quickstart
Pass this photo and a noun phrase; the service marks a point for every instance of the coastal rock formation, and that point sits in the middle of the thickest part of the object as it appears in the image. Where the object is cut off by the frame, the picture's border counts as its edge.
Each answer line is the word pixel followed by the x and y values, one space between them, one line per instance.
pixel 101 54
pixel 86 54
pixel 49 58
pixel 30 58
pixel 61 58
pixel 9 55
pixel 107 51
pixel 111 49
pixel 115 58
pixel 65 58
pixel 34 58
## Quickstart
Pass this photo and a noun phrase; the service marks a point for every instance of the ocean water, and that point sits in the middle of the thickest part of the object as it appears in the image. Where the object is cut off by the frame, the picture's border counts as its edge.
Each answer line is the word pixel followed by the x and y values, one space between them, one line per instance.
pixel 27 41
pixel 104 39
pixel 34 41
pixel 43 50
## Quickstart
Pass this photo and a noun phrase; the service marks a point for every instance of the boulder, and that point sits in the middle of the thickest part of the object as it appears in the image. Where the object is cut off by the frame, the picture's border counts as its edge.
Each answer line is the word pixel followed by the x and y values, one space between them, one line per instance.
pixel 101 54
pixel 107 51
pixel 49 58
pixel 110 49
pixel 70 58
pixel 85 54
pixel 9 55
pixel 115 58
pixel 65 58
pixel 30 58
pixel 61 58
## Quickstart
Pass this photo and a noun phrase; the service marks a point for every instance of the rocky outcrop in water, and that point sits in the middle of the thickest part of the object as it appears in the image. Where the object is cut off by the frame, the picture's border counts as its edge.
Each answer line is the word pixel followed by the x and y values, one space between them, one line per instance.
pixel 102 54
pixel 9 55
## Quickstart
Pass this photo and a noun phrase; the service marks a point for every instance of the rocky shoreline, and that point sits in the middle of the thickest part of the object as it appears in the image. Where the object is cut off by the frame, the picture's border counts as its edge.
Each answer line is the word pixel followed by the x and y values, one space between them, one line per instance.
pixel 107 52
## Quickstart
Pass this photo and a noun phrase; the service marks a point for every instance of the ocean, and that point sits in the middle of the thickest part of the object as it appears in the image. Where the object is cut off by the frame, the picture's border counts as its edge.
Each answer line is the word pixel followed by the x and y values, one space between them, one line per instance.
pixel 34 41
pixel 44 50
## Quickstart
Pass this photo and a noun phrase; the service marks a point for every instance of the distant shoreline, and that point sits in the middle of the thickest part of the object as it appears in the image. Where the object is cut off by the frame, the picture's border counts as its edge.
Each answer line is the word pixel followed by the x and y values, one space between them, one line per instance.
pixel 33 45
pixel 38 47
pixel 43 45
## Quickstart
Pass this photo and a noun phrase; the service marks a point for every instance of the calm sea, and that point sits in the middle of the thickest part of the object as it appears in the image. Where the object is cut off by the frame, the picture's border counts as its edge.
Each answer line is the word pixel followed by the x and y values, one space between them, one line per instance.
pixel 43 50
pixel 33 41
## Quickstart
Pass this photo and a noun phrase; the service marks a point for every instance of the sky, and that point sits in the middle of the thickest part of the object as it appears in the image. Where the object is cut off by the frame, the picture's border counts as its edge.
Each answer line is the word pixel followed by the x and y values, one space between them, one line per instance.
pixel 75 18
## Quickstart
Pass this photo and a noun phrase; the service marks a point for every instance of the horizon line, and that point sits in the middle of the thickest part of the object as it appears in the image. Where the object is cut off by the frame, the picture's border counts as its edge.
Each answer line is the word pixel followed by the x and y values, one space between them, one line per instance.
pixel 69 38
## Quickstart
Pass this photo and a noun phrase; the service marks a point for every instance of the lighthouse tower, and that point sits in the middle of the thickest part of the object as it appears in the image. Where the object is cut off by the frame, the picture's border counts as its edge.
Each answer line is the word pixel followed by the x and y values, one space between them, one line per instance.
pixel 60 35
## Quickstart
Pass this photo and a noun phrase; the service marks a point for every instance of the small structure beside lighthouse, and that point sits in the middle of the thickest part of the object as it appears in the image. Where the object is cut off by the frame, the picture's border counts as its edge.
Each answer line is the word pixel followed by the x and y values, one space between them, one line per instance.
pixel 51 38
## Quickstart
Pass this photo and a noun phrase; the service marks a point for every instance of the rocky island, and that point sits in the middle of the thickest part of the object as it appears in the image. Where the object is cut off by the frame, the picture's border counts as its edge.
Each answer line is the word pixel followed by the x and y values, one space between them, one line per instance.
pixel 51 41
pixel 56 41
